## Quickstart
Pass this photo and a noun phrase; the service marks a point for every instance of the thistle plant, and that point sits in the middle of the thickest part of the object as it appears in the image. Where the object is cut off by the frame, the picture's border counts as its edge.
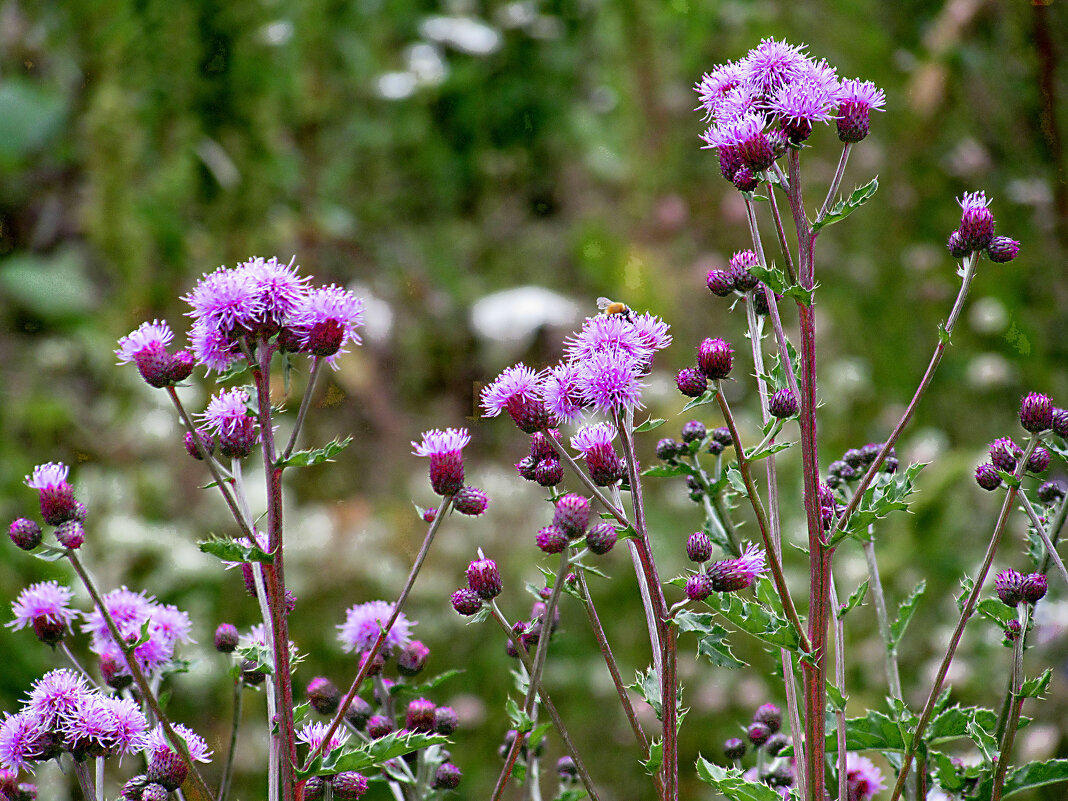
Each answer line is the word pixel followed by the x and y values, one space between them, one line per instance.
pixel 578 442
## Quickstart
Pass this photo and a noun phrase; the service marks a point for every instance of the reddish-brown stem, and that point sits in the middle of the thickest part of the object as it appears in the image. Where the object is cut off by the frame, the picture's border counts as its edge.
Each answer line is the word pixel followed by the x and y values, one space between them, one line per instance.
pixel 965 616
pixel 275 579
pixel 1016 690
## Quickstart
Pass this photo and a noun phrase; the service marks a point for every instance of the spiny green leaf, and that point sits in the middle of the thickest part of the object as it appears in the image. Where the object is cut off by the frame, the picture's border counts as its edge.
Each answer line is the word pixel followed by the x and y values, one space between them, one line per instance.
pixel 736 481
pixel 843 208
pixel 1036 774
pixel 768 450
pixel 521 721
pixel 234 551
pixel 669 470
pixel 315 456
pixel 649 425
pixel 1036 687
pixel 952 723
pixel 709 396
pixel 905 610
pixel 949 778
pixel 712 638
pixel 730 782
pixel 854 600
pixel 656 757
pixel 983 738
pixel 373 754
pixel 424 688
pixel 648 687
pixel 876 731
pixel 995 611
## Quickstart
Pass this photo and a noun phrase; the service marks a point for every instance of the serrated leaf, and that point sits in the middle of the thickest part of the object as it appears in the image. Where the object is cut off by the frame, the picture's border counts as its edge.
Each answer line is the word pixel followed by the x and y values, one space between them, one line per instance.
pixel 983 738
pixel 315 456
pixel 734 477
pixel 374 754
pixel 1035 774
pixel 426 687
pixel 656 757
pixel 905 610
pixel 669 470
pixel 521 721
pixel 649 425
pixel 234 551
pixel 756 619
pixel 949 778
pixel 854 600
pixel 730 782
pixel 952 723
pixel 996 612
pixel 648 688
pixel 1036 687
pixel 712 638
pixel 837 700
pixel 843 208
pixel 888 493
pixel 768 450
pixel 709 396
pixel 876 731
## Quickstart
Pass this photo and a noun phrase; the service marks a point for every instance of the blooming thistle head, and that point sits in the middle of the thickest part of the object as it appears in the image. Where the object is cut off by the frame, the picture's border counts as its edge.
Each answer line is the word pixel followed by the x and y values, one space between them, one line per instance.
pixel 864 780
pixel 610 381
pixel 517 391
pixel 856 100
pixel 20 740
pixel 714 89
pixel 364 623
pixel 228 301
pixel 313 735
pixel 91 729
pixel 45 607
pixel 444 449
pixel 771 64
pixel 560 392
pixel 326 321
pixel 55 695
pixel 55 494
pixel 147 348
pixel 744 142
pixel 976 223
pixel 280 290
pixel 731 575
pixel 156 741
pixel 228 416
pixel 812 96
pixel 167 627
pixel 602 461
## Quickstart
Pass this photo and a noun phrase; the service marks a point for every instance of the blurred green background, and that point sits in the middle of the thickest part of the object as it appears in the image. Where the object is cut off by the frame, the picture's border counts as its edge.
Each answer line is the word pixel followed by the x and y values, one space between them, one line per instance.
pixel 432 154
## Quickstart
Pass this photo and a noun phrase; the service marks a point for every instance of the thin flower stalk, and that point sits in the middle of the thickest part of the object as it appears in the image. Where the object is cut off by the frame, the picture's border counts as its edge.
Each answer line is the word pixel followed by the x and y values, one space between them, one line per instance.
pixel 762 524
pixel 1005 749
pixel 839 678
pixel 85 781
pixel 836 181
pixel 199 785
pixel 615 509
pixel 228 769
pixel 398 607
pixel 965 616
pixel 776 216
pixel 1040 529
pixel 875 586
pixel 305 403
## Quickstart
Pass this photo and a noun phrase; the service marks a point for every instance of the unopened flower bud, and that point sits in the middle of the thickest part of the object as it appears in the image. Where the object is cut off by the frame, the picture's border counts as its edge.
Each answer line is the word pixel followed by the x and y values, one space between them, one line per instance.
pixel 572 514
pixel 734 748
pixel 758 733
pixel 715 357
pixel 1013 629
pixel 986 476
pixel 166 768
pixel 70 534
pixel 1038 461
pixel 1036 412
pixel 745 180
pixel 842 469
pixel 25 533
pixel 348 785
pixel 601 538
pixel 470 501
pixel 694 431
pixel 154 792
pixel 566 770
pixel 226 638
pixel 191 444
pixel 1008 585
pixel 420 715
pixel 1002 249
pixel 379 726
pixel 552 539
pixel 484 578
pixel 1051 492
pixel 447 777
pixel 667 449
pixel 783 404
pixel 956 245
pixel 722 435
pixel 238 441
pixel 699 547
pixel 1033 587
pixel 181 366
pixel 1004 453
pixel 429 515
pixel 770 715
pixel 720 283
pixel 413 658
pixel 698 587
pixel 446 720
pixel 466 601
pixel 549 472
pixel 775 744
pixel 358 713
pixel 323 695
pixel 691 382
pixel 1060 422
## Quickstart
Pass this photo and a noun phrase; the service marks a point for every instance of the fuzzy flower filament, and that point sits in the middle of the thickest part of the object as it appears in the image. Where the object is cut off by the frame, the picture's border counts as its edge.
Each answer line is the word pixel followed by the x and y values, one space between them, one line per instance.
pixel 445 451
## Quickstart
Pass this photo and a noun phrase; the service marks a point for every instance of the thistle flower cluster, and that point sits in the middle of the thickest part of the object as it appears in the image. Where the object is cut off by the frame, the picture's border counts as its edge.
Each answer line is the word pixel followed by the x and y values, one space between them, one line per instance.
pixel 727 575
pixel 59 508
pixel 1038 416
pixel 855 462
pixel 976 232
pixel 738 280
pixel 683 454
pixel 542 463
pixel 483 584
pixel 767 742
pixel 603 371
pixel 769 101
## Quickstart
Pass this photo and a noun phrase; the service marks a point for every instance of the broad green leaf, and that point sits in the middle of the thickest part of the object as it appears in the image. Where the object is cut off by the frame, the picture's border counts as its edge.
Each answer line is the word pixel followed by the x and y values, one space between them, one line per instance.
pixel 424 688
pixel 983 738
pixel 669 470
pixel 843 208
pixel 538 733
pixel 649 425
pixel 888 493
pixel 854 600
pixel 656 757
pixel 709 396
pixel 1036 687
pixel 316 456
pixel 234 551
pixel 876 731
pixel 949 778
pixel 995 611
pixel 373 754
pixel 1036 774
pixel 712 638
pixel 730 783
pixel 952 723
pixel 753 618
pixel 737 483
pixel 905 610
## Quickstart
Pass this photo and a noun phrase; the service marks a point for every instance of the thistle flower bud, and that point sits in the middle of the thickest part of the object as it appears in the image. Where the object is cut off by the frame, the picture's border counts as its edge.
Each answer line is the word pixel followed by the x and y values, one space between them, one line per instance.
pixel 226 638
pixel 251 675
pixel 420 715
pixel 412 659
pixel 744 179
pixel 470 501
pixel 715 448
pixel 348 785
pixel 760 300
pixel 56 496
pixel 527 468
pixel 466 601
pixel 191 445
pixel 379 726
pixel 699 547
pixel 1051 492
pixel 853 457
pixel 540 446
pixel 323 695
pixel 484 578
pixel 698 587
pixel 572 514
pixel 758 733
pixel 694 431
pixel 723 436
pixel 313 788
pixel 181 366
pixel 358 713
pixel 445 451
pixel 552 539
pixel 447 777
pixel 691 382
pixel 1013 629
pixel 154 792
pixel 843 470
pixel 775 744
pixel 1008 584
pixel 977 221
pixel 1036 412
pixel 131 791
pixel 720 282
pixel 1038 461
pixel 70 534
pixel 715 357
pixel 238 441
pixel 446 721
pixel 734 748
pixel 1004 453
pixel 1060 422
pixel 114 671
pixel 601 538
pixel 1002 249
pixel 956 245
pixel 25 533
pixel 166 768
pixel 770 715
pixel 429 515
pixel 783 404
pixel 731 575
pixel 744 281
pixel 986 476
pixel 549 473
pixel 566 770
pixel 1033 587
pixel 667 449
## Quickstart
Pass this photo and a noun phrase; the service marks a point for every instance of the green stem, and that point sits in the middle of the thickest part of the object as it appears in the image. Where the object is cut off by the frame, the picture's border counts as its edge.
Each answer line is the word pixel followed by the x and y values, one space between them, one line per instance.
pixel 228 770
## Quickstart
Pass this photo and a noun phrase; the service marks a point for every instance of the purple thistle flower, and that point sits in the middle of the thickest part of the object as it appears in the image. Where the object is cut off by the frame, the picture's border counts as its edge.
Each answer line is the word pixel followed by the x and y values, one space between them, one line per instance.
pixel 228 300
pixel 147 348
pixel 167 627
pixel 691 382
pixel 55 494
pixel 55 695
pixel 986 476
pixel 327 320
pixel 313 734
pixel 856 100
pixel 45 607
pixel 212 348
pixel 864 780
pixel 976 222
pixel 364 622
pixel 652 331
pixel 714 87
pixel 812 97
pixel 517 391
pixel 227 415
pixel 715 358
pixel 560 392
pixel 129 610
pixel 20 735
pixel 771 64
pixel 1033 587
pixel 484 577
pixel 731 575
pixel 147 335
pixel 606 333
pixel 602 461
pixel 744 137
pixel 698 587
pixel 171 624
pixel 1008 585
pixel 610 381
pixel 1036 412
pixel 444 449
pixel 279 288
pixel 156 741
pixel 88 730
pixel 128 725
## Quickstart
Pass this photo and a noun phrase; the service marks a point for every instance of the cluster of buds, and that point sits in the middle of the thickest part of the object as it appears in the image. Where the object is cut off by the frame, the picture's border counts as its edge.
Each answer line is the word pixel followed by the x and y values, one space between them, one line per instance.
pixel 13 789
pixel 727 575
pixel 542 463
pixel 1014 588
pixel 738 281
pixel 855 462
pixel 767 741
pixel 694 439
pixel 715 358
pixel 976 232
pixel 1038 415
pixel 529 632
pixel 483 584
pixel 59 508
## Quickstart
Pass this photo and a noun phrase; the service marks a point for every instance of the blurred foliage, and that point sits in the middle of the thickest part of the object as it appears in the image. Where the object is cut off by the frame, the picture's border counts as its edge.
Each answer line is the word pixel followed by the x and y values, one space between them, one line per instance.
pixel 145 142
